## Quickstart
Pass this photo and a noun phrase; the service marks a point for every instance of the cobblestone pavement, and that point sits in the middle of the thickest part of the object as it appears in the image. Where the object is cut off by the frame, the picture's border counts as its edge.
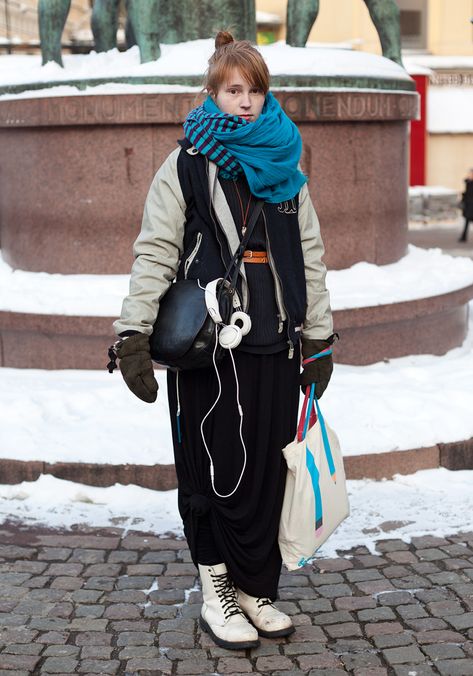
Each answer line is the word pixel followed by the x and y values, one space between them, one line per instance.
pixel 103 601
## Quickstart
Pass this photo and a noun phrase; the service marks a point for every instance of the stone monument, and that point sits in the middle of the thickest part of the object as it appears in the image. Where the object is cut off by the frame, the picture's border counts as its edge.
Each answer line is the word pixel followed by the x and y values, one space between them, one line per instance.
pixel 94 156
pixel 354 122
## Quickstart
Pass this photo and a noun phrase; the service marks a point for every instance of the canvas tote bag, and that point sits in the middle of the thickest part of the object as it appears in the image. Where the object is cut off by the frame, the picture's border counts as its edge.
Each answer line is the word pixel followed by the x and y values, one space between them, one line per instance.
pixel 315 498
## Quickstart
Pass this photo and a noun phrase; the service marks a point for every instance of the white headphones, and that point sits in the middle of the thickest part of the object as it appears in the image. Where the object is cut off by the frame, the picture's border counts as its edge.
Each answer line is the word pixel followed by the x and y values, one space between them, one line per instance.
pixel 230 335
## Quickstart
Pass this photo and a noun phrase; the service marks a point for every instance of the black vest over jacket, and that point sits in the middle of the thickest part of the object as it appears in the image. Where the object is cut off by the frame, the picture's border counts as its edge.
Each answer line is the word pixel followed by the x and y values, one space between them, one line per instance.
pixel 206 250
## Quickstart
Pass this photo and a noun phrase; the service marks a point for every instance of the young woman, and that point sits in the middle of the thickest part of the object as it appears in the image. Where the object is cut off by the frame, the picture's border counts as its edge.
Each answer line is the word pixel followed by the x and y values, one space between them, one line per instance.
pixel 239 147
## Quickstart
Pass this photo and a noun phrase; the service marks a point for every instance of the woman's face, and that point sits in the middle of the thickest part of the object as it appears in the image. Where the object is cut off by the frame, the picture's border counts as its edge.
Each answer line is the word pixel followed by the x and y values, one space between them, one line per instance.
pixel 238 97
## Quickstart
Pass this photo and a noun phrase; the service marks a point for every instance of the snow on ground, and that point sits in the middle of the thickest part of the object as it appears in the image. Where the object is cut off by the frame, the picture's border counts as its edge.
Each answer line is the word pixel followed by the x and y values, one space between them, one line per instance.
pixel 419 274
pixel 81 416
pixel 90 416
pixel 190 58
pixel 436 501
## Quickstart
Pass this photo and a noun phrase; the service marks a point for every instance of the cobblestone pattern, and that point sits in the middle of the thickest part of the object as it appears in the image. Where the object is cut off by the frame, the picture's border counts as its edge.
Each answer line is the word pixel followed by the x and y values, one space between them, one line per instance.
pixel 99 601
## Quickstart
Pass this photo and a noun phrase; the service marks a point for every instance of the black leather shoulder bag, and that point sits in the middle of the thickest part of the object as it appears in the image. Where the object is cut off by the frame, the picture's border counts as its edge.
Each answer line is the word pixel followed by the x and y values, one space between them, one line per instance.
pixel 184 333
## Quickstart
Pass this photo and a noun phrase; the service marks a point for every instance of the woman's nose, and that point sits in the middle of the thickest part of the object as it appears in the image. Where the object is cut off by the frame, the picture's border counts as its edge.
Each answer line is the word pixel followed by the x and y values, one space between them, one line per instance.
pixel 245 101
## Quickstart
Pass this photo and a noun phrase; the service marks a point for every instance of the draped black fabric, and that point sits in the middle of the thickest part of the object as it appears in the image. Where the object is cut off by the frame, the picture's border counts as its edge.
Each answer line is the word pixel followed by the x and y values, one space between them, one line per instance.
pixel 244 526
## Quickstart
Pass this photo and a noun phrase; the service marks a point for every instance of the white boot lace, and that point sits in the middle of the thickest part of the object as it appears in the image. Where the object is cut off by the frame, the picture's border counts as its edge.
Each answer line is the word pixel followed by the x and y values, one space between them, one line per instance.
pixel 225 591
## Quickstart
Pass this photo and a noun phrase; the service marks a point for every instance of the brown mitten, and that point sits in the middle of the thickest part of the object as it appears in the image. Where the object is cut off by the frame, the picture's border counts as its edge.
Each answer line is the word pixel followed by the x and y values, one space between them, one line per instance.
pixel 137 368
pixel 320 370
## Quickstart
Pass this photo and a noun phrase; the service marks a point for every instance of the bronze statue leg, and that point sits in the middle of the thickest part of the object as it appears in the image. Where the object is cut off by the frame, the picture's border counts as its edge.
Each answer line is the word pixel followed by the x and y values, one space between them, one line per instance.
pixel 144 16
pixel 249 18
pixel 104 24
pixel 301 16
pixel 52 15
pixel 192 20
pixel 385 16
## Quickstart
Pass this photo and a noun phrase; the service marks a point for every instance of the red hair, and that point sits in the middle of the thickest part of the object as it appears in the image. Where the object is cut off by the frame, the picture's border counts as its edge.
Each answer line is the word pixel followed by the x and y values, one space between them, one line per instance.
pixel 230 54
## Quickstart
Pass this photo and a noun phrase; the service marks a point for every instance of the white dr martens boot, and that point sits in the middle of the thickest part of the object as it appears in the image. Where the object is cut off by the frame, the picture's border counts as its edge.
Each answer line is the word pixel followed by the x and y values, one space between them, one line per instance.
pixel 221 616
pixel 268 620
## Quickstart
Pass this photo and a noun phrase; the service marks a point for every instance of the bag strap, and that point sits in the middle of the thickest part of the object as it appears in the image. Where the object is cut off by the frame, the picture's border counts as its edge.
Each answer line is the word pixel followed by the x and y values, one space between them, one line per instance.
pixel 238 255
pixel 308 419
pixel 308 416
pixel 328 450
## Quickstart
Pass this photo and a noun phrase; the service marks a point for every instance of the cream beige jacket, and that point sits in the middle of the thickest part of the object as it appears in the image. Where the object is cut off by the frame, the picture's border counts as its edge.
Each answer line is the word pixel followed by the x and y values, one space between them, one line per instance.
pixel 159 247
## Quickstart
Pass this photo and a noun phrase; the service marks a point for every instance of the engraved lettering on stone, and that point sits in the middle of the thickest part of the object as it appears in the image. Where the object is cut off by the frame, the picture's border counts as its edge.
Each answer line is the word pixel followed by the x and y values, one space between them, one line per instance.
pixel 373 106
pixel 328 106
pixel 292 105
pixel 357 105
pixel 109 108
pixel 150 108
pixel 73 111
pixel 172 109
pixel 404 107
pixel 131 106
pixel 343 110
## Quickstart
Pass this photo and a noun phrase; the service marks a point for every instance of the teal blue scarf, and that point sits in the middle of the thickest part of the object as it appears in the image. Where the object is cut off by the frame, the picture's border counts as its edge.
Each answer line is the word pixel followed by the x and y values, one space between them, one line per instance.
pixel 267 151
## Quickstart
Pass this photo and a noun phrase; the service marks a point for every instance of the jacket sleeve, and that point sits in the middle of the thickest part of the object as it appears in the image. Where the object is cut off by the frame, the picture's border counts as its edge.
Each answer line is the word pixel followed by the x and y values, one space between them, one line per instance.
pixel 318 324
pixel 157 250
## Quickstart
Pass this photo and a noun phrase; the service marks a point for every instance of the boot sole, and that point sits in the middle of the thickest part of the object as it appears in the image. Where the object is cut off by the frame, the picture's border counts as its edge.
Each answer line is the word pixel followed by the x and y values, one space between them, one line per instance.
pixel 276 634
pixel 229 645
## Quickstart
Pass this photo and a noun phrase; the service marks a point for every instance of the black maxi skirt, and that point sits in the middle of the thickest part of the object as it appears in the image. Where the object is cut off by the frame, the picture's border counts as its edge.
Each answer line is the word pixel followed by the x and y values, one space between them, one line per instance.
pixel 243 527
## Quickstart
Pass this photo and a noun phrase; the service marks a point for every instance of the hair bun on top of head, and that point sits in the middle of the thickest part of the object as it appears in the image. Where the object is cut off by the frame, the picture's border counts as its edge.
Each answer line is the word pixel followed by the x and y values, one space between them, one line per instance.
pixel 223 38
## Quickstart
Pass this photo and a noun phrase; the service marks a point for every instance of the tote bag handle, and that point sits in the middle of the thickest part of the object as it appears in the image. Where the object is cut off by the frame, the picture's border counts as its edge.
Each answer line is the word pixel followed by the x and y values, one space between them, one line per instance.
pixel 308 418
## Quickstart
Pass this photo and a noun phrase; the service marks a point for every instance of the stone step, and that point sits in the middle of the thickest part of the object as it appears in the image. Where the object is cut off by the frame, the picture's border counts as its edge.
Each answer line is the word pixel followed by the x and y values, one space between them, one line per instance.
pixel 454 456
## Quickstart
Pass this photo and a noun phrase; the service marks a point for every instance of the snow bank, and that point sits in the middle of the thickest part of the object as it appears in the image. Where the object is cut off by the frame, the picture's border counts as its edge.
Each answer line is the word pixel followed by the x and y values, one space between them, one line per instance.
pixel 436 502
pixel 420 274
pixel 44 293
pixel 90 416
pixel 190 58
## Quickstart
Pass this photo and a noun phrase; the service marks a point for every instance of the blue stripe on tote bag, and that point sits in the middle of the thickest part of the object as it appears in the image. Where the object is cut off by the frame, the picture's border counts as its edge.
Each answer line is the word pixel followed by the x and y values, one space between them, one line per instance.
pixel 315 498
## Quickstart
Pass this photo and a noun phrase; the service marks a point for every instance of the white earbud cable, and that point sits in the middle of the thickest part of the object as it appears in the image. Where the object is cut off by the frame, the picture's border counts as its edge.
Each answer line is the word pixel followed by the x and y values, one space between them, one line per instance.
pixel 240 411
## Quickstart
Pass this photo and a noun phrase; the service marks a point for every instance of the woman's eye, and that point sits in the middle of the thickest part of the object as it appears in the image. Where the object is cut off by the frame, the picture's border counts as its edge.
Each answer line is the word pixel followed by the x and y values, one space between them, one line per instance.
pixel 233 91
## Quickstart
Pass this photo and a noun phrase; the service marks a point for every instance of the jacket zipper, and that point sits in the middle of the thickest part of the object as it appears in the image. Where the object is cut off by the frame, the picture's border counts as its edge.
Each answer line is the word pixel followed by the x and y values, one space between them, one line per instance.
pixel 278 279
pixel 193 254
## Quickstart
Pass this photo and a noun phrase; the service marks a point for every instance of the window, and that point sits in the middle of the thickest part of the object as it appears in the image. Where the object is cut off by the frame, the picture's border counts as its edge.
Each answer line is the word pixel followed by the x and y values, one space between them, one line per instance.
pixel 413 23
